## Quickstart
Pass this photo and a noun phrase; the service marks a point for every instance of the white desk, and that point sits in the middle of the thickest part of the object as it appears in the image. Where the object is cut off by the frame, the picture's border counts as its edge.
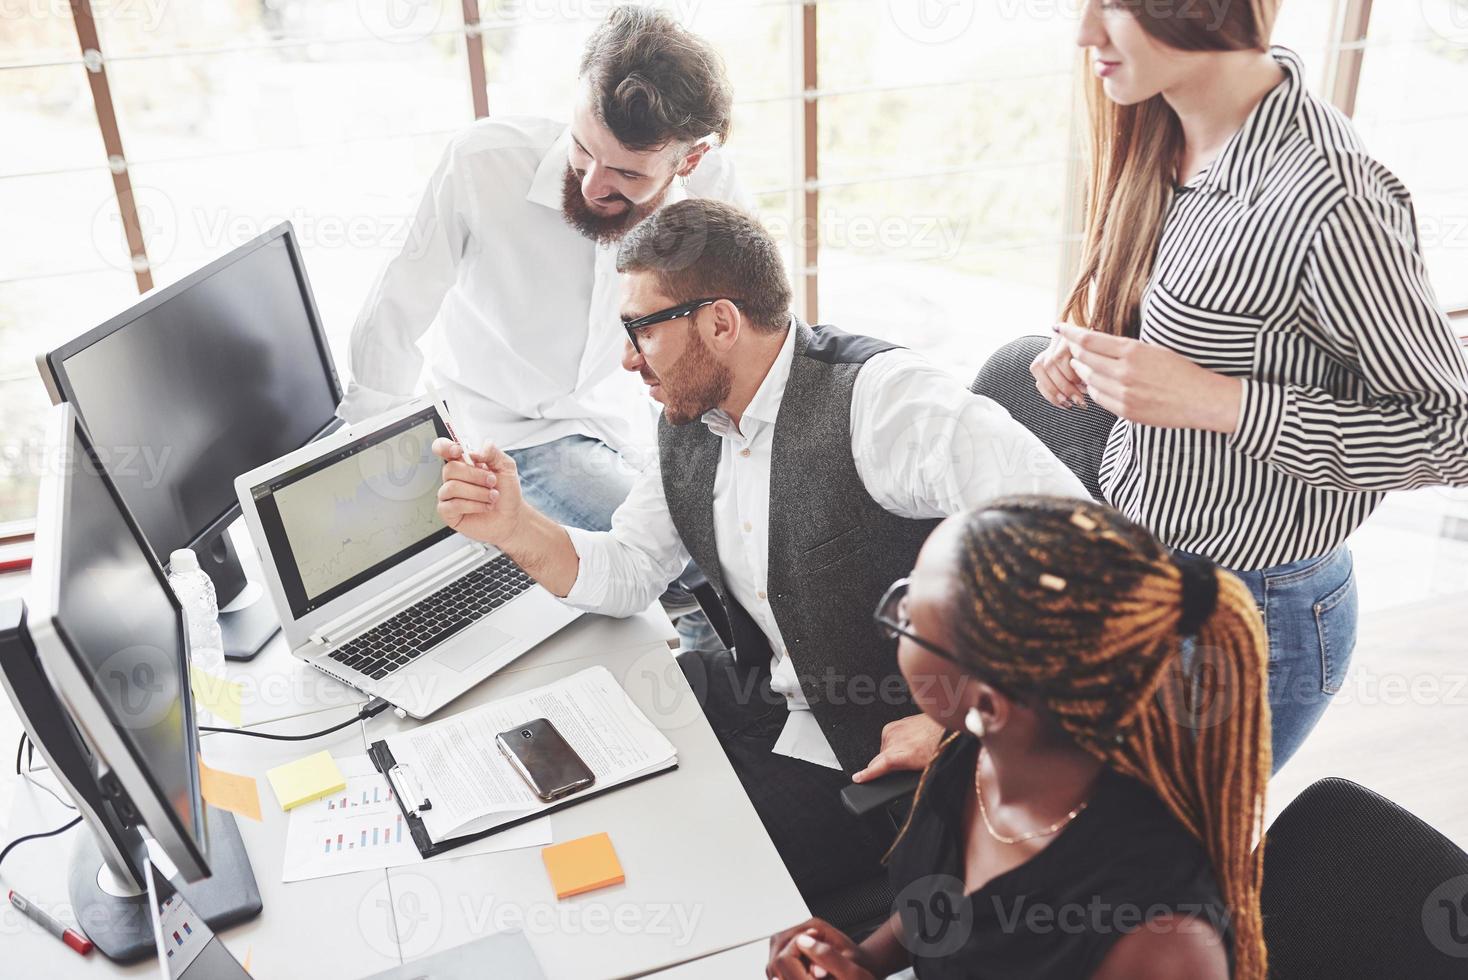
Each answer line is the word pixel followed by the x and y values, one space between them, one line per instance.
pixel 702 875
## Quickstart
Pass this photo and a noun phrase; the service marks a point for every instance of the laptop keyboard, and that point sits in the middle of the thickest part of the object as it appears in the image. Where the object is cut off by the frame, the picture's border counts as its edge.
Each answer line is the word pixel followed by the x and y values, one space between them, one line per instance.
pixel 398 641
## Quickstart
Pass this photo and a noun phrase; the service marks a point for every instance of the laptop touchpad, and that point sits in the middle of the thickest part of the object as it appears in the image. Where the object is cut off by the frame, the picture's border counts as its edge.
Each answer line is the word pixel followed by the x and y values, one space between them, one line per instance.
pixel 469 650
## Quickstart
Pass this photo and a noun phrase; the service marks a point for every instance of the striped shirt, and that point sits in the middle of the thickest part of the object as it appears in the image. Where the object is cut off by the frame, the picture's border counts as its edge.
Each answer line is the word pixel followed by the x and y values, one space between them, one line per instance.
pixel 1293 262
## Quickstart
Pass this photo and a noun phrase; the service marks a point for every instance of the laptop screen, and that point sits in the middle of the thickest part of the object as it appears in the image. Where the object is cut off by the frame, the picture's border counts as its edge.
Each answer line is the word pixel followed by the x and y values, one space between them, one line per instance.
pixel 187 947
pixel 339 520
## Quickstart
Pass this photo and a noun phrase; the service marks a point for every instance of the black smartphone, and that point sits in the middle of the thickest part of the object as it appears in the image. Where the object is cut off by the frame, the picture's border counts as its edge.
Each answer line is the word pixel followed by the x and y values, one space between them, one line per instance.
pixel 545 760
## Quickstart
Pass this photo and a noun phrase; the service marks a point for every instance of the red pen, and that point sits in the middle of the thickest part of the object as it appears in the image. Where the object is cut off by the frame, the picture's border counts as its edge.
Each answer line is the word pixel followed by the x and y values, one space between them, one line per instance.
pixel 462 445
pixel 71 937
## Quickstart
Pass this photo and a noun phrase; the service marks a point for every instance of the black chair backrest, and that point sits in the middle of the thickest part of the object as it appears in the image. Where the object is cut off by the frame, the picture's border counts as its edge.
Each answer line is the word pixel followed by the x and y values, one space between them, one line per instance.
pixel 1076 435
pixel 1357 887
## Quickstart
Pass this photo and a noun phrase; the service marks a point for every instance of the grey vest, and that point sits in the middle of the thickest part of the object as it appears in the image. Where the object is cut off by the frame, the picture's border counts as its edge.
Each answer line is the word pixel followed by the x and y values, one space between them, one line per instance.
pixel 833 549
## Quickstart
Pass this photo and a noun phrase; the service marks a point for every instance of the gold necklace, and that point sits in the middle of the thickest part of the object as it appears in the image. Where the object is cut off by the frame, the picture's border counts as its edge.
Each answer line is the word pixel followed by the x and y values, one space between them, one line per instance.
pixel 1030 835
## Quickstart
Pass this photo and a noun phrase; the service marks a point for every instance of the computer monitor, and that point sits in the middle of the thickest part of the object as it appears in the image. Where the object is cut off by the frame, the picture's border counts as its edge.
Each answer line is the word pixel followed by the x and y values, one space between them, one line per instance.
pixel 110 637
pixel 203 380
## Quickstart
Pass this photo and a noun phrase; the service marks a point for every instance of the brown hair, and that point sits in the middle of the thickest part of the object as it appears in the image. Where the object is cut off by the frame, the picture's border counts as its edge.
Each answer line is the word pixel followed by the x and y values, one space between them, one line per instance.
pixel 700 248
pixel 1135 152
pixel 1097 645
pixel 654 82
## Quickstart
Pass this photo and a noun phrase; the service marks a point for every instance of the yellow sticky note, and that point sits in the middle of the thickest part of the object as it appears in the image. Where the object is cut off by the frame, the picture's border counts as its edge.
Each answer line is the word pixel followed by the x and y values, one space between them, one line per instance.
pixel 306 779
pixel 582 865
pixel 216 694
pixel 229 791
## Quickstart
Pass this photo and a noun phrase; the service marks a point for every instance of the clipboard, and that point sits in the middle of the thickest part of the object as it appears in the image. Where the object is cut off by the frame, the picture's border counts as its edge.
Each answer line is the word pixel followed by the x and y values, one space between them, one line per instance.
pixel 382 759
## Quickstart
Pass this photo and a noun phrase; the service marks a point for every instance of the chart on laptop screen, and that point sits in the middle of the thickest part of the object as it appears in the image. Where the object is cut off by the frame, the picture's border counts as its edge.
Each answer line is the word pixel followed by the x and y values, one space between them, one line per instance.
pixel 345 518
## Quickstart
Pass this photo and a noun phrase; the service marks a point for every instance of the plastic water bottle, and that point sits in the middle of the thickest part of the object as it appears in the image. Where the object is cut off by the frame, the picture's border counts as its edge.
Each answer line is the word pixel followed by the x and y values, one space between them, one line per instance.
pixel 195 591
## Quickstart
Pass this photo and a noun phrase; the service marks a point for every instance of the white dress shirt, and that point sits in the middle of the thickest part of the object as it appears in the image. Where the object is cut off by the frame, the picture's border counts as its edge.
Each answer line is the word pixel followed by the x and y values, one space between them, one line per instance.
pixel 527 339
pixel 924 447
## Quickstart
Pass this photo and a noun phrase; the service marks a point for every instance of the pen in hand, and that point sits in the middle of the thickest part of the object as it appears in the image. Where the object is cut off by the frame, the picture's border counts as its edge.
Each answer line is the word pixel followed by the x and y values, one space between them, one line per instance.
pixel 469 456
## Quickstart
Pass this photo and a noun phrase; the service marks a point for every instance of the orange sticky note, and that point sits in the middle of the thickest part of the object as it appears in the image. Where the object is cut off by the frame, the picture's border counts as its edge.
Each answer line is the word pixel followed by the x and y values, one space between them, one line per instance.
pixel 228 791
pixel 582 865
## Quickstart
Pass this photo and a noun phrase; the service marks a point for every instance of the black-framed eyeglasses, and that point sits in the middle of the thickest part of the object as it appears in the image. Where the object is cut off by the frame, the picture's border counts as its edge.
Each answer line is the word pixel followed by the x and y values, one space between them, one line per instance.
pixel 892 621
pixel 671 313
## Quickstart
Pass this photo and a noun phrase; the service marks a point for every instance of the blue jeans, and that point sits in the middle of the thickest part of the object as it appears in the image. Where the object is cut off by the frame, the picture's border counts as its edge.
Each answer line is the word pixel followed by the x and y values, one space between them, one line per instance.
pixel 580 481
pixel 1310 610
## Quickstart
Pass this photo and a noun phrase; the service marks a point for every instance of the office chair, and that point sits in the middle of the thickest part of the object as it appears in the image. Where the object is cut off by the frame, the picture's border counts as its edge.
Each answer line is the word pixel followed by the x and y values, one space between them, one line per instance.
pixel 1356 888
pixel 1076 435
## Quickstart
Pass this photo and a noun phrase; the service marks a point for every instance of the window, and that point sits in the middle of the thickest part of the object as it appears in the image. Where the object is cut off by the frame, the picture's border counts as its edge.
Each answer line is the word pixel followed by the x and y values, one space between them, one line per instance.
pixel 929 197
pixel 1411 113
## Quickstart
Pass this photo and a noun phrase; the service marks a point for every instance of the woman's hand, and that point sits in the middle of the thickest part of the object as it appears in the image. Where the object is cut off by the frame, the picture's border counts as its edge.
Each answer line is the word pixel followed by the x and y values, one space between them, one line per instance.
pixel 1151 385
pixel 815 948
pixel 1054 376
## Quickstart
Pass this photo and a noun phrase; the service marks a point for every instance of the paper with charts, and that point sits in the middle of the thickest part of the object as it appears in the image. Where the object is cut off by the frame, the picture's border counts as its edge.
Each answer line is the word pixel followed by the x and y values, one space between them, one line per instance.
pixel 362 829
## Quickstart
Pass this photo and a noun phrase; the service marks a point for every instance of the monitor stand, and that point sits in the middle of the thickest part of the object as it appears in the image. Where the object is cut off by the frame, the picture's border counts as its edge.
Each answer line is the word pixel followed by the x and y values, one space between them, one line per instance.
pixel 113 911
pixel 247 618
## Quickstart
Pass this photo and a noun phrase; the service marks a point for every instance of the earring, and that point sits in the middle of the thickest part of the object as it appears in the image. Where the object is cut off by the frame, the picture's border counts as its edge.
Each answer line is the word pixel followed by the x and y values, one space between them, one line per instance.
pixel 974 722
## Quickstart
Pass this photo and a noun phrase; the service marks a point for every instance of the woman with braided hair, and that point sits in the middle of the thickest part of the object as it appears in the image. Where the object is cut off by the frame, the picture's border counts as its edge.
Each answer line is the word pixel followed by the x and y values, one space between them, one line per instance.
pixel 1096 804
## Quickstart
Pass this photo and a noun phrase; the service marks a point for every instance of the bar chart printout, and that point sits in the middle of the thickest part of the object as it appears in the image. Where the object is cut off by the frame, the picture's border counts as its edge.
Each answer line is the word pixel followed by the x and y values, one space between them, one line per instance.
pixel 362 829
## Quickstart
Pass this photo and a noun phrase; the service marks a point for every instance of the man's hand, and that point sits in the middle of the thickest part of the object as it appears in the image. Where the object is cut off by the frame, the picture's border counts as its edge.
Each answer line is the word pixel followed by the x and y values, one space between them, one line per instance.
pixel 907 743
pixel 1151 385
pixel 480 496
pixel 815 948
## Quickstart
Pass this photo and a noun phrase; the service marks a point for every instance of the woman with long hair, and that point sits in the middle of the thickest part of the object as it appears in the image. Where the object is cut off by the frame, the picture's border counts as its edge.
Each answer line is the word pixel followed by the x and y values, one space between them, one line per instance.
pixel 1096 804
pixel 1252 303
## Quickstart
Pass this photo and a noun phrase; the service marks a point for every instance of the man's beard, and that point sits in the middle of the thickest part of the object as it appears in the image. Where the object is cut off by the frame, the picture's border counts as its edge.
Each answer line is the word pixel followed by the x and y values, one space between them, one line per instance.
pixel 702 383
pixel 600 228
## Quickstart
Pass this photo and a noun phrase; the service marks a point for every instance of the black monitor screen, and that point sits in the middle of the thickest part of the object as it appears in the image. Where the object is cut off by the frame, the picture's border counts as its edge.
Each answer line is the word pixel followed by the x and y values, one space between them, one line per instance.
pixel 125 631
pixel 225 374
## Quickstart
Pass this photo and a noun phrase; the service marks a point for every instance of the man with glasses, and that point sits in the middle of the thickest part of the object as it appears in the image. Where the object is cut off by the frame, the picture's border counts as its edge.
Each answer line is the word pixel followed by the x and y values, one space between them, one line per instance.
pixel 511 260
pixel 801 468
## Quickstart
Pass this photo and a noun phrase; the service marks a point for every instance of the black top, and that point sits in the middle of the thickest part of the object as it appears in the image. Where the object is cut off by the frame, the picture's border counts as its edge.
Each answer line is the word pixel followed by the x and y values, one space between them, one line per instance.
pixel 1124 861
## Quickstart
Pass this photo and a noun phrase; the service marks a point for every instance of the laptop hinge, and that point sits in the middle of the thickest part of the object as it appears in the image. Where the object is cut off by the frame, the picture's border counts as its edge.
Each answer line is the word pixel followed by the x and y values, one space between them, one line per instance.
pixel 389 603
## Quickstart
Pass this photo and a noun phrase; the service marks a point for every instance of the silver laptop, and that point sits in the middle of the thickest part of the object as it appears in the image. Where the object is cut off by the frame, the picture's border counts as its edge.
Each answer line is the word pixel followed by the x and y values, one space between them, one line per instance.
pixel 371 586
pixel 189 950
pixel 187 947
